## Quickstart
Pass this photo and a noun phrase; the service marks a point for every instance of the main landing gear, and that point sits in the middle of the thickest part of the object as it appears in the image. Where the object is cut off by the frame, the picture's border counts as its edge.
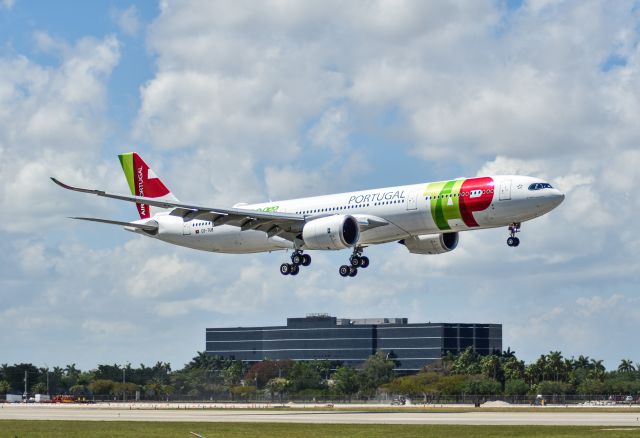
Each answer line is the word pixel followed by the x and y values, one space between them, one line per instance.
pixel 513 229
pixel 357 260
pixel 297 259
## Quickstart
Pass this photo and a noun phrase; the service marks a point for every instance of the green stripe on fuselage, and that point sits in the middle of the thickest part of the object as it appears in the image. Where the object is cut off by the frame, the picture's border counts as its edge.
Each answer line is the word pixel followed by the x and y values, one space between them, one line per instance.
pixel 444 207
pixel 126 161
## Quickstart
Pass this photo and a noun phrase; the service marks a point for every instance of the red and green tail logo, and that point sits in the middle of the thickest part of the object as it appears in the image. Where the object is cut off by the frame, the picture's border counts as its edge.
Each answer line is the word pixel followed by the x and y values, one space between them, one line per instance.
pixel 142 181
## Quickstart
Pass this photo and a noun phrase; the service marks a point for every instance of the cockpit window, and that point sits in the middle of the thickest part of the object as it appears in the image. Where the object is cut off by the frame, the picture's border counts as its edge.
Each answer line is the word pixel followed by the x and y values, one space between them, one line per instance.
pixel 540 186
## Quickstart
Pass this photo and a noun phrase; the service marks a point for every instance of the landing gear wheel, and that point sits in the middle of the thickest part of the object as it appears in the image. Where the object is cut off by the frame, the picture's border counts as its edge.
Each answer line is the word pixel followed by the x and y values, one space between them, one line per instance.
pixel 344 270
pixel 285 269
pixel 355 261
pixel 364 262
pixel 353 272
pixel 513 229
pixel 295 269
pixel 306 260
pixel 297 258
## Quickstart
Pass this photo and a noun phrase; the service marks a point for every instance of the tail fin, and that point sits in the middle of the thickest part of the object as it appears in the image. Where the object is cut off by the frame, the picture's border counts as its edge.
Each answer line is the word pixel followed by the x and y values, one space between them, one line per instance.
pixel 144 182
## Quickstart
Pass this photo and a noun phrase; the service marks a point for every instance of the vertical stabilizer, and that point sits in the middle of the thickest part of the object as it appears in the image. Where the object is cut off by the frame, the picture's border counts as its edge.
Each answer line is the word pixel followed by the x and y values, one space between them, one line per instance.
pixel 144 182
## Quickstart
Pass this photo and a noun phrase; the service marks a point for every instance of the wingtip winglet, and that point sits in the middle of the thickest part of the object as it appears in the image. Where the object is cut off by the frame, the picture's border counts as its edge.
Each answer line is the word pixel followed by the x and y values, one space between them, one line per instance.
pixel 60 183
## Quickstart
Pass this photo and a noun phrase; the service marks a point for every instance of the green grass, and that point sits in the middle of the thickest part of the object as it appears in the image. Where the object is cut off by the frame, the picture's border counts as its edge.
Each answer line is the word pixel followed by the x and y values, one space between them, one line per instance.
pixel 72 429
pixel 453 409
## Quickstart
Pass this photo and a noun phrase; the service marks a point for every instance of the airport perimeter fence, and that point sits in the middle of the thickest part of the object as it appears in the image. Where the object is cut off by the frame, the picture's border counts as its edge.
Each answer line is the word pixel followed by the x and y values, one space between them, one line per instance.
pixel 465 399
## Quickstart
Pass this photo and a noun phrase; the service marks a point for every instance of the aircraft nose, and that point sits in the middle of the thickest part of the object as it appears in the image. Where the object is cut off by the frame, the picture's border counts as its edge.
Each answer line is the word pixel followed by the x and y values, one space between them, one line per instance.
pixel 557 198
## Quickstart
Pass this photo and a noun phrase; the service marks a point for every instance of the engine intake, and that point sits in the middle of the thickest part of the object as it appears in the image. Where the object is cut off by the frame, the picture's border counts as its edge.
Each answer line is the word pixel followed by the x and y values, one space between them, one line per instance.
pixel 431 243
pixel 331 232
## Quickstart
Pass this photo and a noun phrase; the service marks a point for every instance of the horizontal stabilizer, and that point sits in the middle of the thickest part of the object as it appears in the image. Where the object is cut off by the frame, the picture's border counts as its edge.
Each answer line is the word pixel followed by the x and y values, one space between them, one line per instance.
pixel 150 227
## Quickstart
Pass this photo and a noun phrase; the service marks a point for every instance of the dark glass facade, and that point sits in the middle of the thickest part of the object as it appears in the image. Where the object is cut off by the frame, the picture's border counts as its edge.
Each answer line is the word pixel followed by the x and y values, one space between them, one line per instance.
pixel 351 342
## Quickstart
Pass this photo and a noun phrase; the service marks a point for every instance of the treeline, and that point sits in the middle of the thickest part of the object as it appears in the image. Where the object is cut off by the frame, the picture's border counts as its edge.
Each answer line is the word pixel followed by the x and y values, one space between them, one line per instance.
pixel 208 377
pixel 505 375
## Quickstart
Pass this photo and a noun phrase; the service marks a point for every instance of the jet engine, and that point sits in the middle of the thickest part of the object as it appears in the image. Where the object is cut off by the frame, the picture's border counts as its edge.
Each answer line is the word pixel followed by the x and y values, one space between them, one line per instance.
pixel 431 243
pixel 331 232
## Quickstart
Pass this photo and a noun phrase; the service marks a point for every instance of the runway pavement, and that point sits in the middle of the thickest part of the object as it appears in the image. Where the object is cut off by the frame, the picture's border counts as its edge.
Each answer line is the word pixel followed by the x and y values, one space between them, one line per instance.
pixel 98 413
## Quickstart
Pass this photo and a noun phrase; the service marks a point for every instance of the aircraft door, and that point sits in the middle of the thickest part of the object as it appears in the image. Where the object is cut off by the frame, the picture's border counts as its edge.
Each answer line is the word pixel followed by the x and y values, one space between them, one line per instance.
pixel 186 230
pixel 505 190
pixel 412 201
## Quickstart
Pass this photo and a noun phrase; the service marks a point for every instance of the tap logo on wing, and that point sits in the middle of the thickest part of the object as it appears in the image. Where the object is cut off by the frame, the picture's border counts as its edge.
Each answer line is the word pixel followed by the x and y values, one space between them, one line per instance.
pixel 459 199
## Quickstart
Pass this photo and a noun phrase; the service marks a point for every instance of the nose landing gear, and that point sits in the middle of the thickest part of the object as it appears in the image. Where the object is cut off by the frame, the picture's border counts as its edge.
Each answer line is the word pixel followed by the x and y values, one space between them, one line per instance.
pixel 297 259
pixel 357 260
pixel 513 229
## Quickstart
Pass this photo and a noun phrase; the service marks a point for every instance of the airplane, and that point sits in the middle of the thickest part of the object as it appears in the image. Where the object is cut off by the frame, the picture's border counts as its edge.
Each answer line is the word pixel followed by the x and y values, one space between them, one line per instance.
pixel 426 218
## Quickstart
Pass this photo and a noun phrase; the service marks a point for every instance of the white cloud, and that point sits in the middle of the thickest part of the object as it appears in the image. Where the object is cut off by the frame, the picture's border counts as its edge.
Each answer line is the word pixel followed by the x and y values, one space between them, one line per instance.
pixel 286 98
pixel 127 20
pixel 332 130
pixel 8 4
pixel 162 275
pixel 51 121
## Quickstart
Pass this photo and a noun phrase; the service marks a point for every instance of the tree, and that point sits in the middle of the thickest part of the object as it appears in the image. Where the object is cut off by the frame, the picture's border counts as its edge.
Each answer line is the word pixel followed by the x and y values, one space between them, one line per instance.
pixel 232 375
pixel 262 372
pixel 591 387
pixel 102 387
pixel 304 375
pixel 157 389
pixel 513 369
pixel 548 387
pixel 128 388
pixel 14 374
pixel 491 367
pixel 516 387
pixel 451 385
pixel 626 366
pixel 542 368
pixel 377 370
pixel 582 362
pixel 78 390
pixel 597 369
pixel 5 387
pixel 424 384
pixel 346 381
pixel 70 377
pixel 466 363
pixel 480 385
pixel 555 365
pixel 533 373
pixel 277 385
pixel 39 388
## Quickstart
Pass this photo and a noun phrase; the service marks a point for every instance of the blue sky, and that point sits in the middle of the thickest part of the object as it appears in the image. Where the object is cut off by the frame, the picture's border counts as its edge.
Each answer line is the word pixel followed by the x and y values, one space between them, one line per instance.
pixel 245 101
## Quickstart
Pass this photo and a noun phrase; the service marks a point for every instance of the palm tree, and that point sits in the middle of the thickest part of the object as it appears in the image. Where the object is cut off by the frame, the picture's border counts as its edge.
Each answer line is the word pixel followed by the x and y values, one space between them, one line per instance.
pixel 597 369
pixel 533 373
pixel 490 366
pixel 542 366
pixel 582 363
pixel 626 366
pixel 555 364
pixel 508 353
pixel 71 370
pixel 4 387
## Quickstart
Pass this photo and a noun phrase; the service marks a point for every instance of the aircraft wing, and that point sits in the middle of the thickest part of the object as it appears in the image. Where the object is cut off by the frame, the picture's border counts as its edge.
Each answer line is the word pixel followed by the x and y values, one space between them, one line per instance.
pixel 287 225
pixel 150 226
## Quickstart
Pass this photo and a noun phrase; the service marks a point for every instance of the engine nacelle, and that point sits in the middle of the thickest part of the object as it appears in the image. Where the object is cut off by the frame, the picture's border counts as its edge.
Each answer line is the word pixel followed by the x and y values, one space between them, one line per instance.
pixel 331 232
pixel 431 243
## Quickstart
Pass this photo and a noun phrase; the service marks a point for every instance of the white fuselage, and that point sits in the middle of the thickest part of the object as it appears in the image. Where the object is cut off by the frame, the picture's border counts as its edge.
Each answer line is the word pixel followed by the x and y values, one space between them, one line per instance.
pixel 411 210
